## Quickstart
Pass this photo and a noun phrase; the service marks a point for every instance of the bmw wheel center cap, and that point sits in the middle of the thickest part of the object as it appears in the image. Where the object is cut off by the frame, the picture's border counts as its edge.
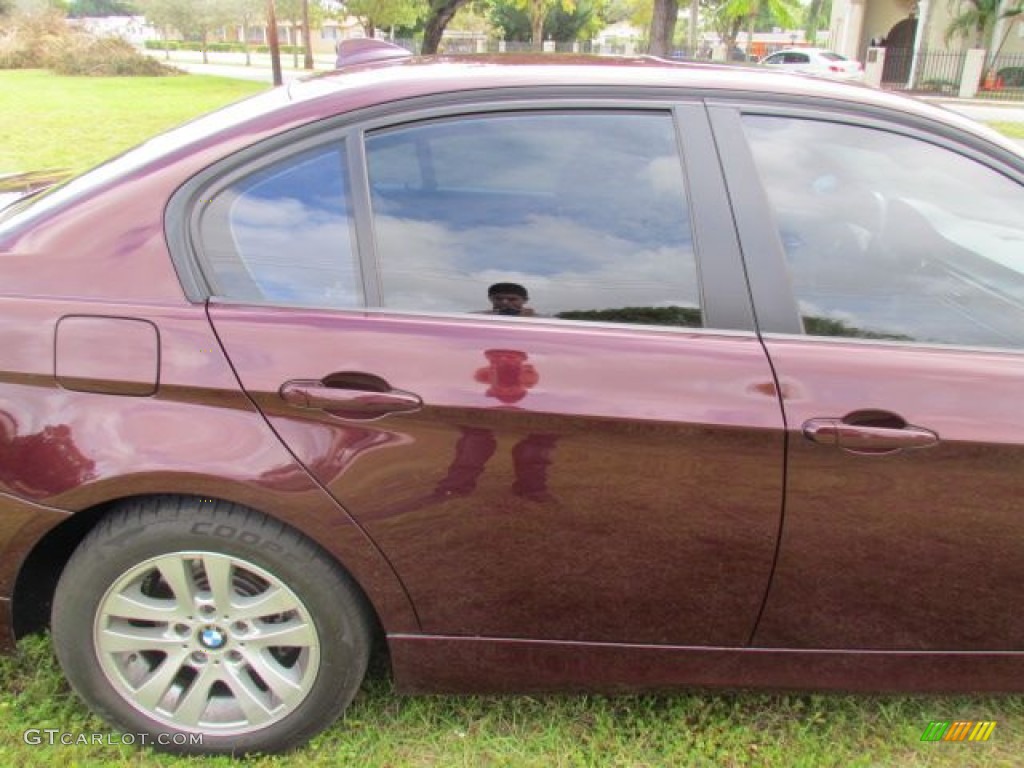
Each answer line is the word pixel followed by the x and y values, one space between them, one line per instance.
pixel 212 638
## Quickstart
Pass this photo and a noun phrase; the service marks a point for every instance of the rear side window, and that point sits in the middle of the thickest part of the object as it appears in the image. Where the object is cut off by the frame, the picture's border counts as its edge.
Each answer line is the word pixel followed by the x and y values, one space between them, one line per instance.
pixel 586 210
pixel 284 234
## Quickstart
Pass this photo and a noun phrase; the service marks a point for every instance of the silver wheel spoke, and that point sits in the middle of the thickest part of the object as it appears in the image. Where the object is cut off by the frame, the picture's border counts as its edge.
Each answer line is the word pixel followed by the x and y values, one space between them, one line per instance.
pixel 149 694
pixel 192 705
pixel 281 680
pixel 124 638
pixel 218 573
pixel 176 573
pixel 249 697
pixel 268 603
pixel 293 634
pixel 140 607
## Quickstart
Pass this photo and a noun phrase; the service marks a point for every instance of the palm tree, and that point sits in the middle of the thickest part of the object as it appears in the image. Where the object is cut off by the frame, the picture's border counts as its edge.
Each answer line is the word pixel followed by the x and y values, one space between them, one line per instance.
pixel 978 17
pixel 813 15
pixel 783 11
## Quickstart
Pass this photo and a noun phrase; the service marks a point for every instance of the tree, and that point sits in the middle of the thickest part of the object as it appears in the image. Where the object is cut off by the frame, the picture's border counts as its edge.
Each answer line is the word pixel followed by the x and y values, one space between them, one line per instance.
pixel 440 13
pixel 782 12
pixel 538 10
pixel 663 26
pixel 582 22
pixel 194 19
pixel 380 14
pixel 275 45
pixel 816 17
pixel 248 13
pixel 977 18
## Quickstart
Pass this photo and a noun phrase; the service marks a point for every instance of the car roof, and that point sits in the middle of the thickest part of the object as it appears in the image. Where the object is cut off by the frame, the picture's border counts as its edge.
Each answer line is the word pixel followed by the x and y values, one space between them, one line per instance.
pixel 310 99
pixel 432 75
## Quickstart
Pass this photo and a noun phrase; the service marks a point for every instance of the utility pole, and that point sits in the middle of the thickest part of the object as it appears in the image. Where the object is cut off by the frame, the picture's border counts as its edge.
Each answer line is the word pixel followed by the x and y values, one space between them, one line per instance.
pixel 275 46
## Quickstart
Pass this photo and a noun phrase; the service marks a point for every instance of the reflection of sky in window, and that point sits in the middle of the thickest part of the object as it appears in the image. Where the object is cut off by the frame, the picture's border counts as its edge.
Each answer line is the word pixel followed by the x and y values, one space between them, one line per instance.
pixel 587 211
pixel 843 238
pixel 291 228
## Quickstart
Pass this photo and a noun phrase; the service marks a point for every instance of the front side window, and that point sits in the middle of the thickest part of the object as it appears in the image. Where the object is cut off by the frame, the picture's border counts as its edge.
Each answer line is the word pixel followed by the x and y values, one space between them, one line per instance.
pixel 891 237
pixel 284 234
pixel 586 211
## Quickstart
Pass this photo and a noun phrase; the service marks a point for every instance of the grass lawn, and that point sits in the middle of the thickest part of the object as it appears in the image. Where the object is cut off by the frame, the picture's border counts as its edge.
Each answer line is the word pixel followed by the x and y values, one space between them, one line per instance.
pixel 1014 130
pixel 48 121
pixel 711 730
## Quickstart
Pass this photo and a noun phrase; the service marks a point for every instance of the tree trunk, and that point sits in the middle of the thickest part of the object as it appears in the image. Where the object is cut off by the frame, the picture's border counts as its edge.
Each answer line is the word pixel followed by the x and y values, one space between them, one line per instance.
pixel 694 23
pixel 275 46
pixel 307 37
pixel 441 12
pixel 537 23
pixel 663 26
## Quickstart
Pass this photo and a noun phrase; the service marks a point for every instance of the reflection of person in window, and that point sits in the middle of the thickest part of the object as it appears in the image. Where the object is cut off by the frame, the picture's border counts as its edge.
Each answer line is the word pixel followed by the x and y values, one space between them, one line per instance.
pixel 509 299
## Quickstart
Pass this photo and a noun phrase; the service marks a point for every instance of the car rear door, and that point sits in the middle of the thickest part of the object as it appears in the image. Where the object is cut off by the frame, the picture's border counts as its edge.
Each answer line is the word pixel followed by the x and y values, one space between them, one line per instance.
pixel 888 277
pixel 608 469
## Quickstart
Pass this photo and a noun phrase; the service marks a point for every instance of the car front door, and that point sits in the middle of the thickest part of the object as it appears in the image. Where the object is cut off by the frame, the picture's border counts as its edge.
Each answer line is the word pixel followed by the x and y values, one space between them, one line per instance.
pixel 900 366
pixel 608 468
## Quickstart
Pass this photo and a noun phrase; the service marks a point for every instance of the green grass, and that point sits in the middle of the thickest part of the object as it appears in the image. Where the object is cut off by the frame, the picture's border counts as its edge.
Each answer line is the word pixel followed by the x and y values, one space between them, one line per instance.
pixel 49 121
pixel 1014 130
pixel 713 730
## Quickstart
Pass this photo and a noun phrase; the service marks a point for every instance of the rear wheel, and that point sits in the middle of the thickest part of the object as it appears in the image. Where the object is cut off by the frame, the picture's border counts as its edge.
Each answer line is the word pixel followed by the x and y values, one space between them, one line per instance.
pixel 209 628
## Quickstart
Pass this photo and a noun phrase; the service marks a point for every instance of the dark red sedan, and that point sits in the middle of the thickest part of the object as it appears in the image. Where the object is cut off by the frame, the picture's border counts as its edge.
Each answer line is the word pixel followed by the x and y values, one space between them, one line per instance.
pixel 540 374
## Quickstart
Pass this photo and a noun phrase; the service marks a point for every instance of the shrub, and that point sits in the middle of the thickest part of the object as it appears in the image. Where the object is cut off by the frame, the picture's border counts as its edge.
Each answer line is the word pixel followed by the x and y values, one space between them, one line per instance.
pixel 106 56
pixel 1012 77
pixel 47 41
pixel 27 39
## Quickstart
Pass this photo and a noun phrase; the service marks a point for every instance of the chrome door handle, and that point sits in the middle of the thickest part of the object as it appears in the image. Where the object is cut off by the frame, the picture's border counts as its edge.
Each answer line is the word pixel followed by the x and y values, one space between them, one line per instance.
pixel 346 402
pixel 863 438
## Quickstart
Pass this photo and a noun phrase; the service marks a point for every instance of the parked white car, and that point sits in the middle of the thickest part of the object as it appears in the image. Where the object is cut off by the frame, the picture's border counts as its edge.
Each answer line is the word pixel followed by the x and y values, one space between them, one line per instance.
pixel 815 61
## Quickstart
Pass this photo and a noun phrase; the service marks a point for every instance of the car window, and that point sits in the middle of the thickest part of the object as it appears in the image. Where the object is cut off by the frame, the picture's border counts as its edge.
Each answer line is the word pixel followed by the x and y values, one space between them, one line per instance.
pixel 831 56
pixel 777 58
pixel 586 210
pixel 892 237
pixel 797 58
pixel 284 233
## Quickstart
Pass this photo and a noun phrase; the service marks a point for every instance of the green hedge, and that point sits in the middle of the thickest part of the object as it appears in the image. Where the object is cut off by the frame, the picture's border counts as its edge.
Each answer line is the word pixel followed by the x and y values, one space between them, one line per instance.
pixel 1013 77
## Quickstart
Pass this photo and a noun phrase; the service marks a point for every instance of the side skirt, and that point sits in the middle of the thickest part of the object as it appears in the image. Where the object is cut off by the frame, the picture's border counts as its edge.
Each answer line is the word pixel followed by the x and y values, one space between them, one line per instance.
pixel 433 664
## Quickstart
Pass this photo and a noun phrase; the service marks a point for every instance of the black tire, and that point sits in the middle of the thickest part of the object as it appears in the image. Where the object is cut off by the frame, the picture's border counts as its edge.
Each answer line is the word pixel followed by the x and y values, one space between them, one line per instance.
pixel 158 626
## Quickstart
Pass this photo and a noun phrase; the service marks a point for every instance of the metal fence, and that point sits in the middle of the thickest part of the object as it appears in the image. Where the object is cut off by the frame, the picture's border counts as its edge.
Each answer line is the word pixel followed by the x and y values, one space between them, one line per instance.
pixel 941 72
pixel 1005 79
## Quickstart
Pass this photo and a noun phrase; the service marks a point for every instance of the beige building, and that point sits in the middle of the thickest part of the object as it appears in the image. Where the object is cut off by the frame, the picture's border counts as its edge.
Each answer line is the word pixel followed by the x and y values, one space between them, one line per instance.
pixel 914 24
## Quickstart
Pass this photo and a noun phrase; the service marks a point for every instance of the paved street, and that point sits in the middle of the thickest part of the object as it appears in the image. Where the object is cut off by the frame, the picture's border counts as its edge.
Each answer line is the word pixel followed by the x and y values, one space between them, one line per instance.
pixel 233 65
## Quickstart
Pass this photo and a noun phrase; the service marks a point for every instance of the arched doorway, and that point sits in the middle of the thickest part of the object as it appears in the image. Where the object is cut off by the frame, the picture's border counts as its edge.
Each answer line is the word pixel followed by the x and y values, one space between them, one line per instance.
pixel 899 50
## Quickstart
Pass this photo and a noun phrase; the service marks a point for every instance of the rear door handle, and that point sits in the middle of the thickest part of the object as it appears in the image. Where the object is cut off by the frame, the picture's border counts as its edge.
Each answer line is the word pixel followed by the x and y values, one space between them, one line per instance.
pixel 865 438
pixel 348 402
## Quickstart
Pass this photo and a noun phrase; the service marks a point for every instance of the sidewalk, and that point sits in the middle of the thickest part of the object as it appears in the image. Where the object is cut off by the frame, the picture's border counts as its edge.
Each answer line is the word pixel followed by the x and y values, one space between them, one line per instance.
pixel 230 64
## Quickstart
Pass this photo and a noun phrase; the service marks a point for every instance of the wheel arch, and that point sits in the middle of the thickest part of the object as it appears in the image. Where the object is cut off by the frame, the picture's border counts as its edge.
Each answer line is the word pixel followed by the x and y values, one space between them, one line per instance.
pixel 36 582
